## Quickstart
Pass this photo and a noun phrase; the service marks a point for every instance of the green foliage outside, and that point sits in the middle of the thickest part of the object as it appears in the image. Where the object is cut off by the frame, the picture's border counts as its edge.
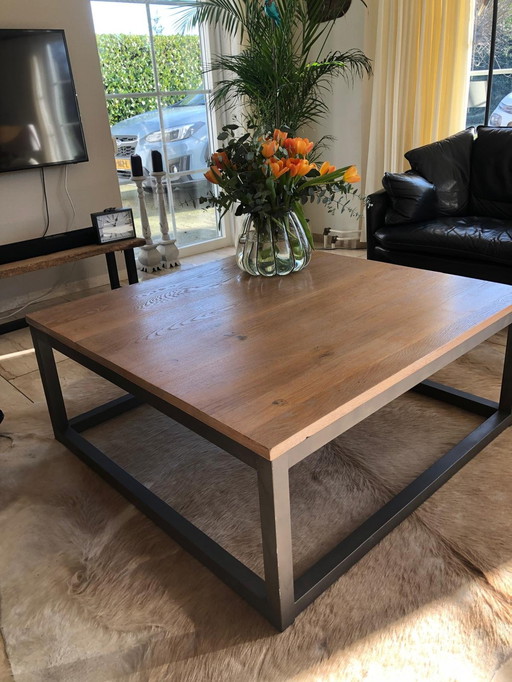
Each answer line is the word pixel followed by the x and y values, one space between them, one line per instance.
pixel 126 67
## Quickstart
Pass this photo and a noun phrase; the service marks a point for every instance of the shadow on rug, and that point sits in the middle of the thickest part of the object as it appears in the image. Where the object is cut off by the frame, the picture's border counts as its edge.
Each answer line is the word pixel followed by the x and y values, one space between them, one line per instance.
pixel 90 590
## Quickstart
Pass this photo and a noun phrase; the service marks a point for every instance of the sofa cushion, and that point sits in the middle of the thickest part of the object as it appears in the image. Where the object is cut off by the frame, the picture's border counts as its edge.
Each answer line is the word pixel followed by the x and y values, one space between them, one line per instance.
pixel 446 164
pixel 412 198
pixel 471 238
pixel 491 173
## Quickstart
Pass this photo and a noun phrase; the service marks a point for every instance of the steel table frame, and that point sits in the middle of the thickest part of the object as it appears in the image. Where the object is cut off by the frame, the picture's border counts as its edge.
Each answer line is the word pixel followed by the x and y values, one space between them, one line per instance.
pixel 280 597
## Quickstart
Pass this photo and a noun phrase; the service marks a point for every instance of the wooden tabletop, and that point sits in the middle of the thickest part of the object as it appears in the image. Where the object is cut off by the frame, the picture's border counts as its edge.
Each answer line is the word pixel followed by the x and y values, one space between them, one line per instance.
pixel 269 362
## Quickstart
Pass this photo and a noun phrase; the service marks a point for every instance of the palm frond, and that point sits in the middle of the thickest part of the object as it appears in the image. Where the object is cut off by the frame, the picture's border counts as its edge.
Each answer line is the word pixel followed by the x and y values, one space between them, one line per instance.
pixel 274 73
pixel 230 14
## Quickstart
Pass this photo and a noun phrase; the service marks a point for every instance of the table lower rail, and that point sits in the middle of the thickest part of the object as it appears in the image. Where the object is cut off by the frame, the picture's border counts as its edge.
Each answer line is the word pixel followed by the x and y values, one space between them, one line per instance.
pixel 280 597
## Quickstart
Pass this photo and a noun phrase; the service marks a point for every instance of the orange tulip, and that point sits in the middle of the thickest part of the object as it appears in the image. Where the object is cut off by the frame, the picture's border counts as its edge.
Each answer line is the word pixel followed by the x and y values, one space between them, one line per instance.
pixel 220 160
pixel 212 176
pixel 326 168
pixel 299 167
pixel 303 146
pixel 280 136
pixel 278 167
pixel 269 148
pixel 351 175
pixel 289 145
pixel 298 145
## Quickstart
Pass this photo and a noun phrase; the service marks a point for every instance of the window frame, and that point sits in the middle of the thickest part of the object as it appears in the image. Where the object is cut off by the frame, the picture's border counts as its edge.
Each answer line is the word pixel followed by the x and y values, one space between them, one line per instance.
pixel 225 237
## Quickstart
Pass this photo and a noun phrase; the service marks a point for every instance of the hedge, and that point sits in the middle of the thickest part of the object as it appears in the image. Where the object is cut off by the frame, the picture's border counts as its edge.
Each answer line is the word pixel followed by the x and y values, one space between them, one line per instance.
pixel 126 67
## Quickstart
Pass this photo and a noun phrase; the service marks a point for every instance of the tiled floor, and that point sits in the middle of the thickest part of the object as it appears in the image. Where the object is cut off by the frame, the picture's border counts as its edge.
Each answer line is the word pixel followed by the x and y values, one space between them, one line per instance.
pixel 19 377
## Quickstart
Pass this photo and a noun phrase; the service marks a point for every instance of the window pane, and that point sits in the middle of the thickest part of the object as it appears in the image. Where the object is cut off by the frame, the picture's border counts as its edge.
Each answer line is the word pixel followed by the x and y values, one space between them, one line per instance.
pixel 123 47
pixel 176 125
pixel 479 63
pixel 136 120
pixel 500 98
pixel 194 223
pixel 501 95
pixel 186 138
pixel 178 57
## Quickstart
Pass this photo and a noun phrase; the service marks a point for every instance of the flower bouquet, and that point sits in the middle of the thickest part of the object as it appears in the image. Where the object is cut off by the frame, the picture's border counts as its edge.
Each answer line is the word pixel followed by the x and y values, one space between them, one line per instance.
pixel 269 178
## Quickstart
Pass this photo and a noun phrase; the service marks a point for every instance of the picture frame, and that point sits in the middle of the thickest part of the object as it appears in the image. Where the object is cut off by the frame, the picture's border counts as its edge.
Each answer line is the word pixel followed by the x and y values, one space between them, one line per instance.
pixel 113 224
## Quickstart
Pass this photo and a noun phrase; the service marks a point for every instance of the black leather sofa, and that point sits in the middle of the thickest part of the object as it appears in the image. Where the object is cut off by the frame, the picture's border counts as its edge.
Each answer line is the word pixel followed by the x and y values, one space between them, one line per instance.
pixel 452 212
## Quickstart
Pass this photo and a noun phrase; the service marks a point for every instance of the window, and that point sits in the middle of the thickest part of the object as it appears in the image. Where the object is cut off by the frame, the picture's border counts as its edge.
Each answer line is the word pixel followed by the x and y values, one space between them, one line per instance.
pixel 157 100
pixel 490 86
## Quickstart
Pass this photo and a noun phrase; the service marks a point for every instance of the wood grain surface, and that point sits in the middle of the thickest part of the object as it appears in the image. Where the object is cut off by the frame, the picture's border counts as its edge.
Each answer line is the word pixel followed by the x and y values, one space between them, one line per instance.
pixel 271 362
pixel 69 255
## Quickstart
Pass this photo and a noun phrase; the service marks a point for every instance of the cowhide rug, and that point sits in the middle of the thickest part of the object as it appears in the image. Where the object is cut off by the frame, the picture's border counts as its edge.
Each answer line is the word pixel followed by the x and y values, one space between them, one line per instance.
pixel 91 591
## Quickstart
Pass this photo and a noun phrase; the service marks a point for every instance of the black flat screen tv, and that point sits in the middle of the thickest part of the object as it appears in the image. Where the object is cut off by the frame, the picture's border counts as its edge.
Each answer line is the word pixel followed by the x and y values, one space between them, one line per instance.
pixel 39 118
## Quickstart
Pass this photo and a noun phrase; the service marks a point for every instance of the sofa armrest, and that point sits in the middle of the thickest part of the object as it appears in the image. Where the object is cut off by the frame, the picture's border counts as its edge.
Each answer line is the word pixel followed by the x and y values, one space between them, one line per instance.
pixel 376 207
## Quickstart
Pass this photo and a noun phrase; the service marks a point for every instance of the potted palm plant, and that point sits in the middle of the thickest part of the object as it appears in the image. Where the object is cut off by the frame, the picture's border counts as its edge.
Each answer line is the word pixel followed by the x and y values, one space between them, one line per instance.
pixel 279 76
pixel 281 72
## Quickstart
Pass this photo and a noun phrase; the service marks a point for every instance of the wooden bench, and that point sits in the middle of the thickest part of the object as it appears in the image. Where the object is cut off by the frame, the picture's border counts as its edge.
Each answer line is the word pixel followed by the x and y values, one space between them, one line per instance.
pixel 50 260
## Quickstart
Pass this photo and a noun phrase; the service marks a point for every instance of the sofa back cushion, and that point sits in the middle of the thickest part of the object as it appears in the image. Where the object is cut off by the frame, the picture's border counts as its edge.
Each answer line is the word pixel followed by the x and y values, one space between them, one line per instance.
pixel 412 198
pixel 491 173
pixel 446 164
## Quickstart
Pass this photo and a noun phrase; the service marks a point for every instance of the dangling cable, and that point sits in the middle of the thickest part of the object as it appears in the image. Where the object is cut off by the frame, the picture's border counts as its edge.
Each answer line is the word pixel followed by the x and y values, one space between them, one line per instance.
pixel 45 203
pixel 69 198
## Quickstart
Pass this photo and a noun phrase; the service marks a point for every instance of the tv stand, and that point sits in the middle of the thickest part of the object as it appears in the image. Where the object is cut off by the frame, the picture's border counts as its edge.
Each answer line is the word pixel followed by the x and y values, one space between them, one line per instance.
pixel 48 252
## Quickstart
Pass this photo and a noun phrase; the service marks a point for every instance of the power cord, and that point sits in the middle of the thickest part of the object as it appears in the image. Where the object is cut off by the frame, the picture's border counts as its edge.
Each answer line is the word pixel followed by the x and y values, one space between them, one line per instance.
pixel 39 298
pixel 69 198
pixel 59 280
pixel 45 196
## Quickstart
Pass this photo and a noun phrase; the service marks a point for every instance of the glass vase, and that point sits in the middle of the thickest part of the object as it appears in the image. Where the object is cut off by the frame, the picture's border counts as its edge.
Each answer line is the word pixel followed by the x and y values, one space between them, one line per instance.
pixel 272 245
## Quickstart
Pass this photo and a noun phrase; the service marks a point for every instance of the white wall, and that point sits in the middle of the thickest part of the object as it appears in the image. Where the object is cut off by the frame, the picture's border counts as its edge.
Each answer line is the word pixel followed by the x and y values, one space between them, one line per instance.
pixel 92 185
pixel 345 120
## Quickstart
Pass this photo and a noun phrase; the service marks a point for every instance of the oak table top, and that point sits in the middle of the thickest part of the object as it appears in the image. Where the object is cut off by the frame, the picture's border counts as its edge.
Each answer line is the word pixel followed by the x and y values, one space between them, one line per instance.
pixel 270 362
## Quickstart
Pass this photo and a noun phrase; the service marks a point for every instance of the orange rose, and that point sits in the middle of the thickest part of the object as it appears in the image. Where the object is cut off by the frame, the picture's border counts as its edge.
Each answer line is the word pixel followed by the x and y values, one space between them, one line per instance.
pixel 351 175
pixel 269 148
pixel 326 168
pixel 212 176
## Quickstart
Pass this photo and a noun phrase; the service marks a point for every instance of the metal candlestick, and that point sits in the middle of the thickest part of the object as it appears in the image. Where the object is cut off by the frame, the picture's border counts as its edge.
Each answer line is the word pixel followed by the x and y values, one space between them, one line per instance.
pixel 149 257
pixel 166 246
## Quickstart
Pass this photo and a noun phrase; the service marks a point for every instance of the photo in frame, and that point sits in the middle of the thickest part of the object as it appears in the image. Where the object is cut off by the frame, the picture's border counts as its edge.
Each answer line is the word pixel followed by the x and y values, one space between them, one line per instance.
pixel 113 224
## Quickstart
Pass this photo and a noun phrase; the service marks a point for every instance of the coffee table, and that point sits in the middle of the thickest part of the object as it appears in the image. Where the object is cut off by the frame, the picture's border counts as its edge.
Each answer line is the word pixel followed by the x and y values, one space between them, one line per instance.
pixel 270 370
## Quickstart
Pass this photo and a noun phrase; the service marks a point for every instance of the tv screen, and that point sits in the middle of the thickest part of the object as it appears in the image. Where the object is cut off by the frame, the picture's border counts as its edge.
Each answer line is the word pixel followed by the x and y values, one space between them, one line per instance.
pixel 39 118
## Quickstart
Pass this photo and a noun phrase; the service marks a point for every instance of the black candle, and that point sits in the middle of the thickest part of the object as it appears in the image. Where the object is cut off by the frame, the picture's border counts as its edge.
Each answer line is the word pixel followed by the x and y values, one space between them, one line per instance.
pixel 156 160
pixel 136 163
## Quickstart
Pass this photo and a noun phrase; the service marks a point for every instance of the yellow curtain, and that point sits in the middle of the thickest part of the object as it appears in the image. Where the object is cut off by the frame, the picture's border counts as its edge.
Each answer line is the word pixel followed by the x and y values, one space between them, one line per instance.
pixel 421 71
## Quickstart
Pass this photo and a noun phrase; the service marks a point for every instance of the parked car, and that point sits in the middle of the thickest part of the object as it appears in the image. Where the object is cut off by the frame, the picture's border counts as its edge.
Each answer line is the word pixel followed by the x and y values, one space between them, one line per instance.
pixel 501 117
pixel 185 137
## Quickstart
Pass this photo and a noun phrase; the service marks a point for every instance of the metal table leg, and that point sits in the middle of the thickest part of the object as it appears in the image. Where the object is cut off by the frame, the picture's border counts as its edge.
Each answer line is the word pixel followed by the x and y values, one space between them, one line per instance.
pixel 276 532
pixel 280 597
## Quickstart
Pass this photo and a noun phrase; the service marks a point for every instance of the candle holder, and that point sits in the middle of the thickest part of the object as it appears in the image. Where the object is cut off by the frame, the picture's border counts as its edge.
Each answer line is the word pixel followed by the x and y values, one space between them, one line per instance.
pixel 149 257
pixel 166 246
